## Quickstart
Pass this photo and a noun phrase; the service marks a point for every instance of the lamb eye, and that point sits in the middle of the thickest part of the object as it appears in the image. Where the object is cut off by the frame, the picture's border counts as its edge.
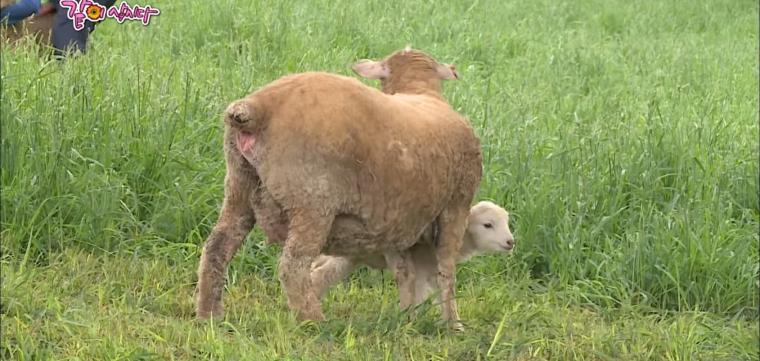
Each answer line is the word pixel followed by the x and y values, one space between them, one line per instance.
pixel 488 225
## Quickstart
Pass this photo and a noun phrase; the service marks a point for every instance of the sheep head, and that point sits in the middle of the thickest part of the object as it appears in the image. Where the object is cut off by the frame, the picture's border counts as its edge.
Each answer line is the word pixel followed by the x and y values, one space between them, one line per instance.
pixel 407 71
pixel 488 229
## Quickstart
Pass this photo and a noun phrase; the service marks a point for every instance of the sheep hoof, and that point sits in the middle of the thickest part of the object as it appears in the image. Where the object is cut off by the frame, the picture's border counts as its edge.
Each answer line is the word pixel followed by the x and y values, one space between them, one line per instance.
pixel 457 326
pixel 316 316
pixel 204 312
pixel 206 316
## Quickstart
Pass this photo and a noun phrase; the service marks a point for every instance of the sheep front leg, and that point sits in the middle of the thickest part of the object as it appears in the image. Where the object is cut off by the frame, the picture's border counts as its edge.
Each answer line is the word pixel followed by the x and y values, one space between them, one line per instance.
pixel 453 222
pixel 402 266
pixel 327 271
pixel 236 220
pixel 307 234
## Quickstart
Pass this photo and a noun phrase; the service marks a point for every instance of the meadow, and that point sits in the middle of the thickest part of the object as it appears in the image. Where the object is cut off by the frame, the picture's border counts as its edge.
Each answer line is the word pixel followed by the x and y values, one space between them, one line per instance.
pixel 622 136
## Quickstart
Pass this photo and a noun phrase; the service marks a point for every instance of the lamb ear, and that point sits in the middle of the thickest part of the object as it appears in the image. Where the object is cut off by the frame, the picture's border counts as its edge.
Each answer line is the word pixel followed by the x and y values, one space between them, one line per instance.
pixel 447 71
pixel 371 69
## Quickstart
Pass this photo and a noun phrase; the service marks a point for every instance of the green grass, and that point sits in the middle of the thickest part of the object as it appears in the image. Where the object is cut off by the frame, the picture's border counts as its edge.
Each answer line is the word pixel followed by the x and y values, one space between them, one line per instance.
pixel 623 138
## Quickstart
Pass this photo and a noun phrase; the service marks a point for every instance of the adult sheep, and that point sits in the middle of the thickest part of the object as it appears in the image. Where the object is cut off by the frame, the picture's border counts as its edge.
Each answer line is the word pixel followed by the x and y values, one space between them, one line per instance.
pixel 487 232
pixel 329 165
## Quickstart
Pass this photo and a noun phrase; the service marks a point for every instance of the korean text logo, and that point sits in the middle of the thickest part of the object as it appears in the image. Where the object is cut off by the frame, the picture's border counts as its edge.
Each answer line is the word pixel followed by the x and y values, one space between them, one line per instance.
pixel 80 11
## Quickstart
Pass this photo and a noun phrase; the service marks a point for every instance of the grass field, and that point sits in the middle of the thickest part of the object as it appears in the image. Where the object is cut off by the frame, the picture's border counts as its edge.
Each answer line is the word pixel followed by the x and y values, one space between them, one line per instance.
pixel 622 136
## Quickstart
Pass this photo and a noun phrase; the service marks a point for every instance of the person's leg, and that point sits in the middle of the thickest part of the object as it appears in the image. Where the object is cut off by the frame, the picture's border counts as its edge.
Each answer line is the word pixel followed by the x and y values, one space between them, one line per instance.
pixel 106 3
pixel 18 11
pixel 65 36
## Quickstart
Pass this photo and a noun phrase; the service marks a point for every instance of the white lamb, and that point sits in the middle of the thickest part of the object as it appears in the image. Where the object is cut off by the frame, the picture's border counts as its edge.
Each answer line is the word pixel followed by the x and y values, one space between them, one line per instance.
pixel 487 232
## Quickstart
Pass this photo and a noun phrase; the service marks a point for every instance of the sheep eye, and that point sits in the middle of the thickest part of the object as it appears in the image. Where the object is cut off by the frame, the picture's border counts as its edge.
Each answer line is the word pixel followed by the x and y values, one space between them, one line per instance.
pixel 488 225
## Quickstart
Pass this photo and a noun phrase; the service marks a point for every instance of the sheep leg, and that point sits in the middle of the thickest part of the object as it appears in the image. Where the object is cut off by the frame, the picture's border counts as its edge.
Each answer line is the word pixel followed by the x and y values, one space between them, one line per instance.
pixel 307 235
pixel 402 266
pixel 453 221
pixel 329 271
pixel 425 281
pixel 236 220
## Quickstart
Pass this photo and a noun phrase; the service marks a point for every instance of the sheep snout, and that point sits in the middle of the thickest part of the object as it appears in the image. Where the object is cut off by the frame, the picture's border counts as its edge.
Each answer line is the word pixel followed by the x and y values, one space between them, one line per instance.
pixel 509 244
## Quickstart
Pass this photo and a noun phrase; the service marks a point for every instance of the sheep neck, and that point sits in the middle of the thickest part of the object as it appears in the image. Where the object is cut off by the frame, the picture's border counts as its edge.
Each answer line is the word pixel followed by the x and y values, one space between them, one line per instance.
pixel 468 249
pixel 409 85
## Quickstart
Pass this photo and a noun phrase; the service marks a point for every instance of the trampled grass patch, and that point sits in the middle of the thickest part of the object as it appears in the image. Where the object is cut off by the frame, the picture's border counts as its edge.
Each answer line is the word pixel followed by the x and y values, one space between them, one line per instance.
pixel 622 137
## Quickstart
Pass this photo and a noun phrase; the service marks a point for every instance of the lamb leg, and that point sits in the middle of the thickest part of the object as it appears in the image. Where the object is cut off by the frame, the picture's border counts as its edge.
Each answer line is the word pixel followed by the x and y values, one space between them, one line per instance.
pixel 402 266
pixel 330 271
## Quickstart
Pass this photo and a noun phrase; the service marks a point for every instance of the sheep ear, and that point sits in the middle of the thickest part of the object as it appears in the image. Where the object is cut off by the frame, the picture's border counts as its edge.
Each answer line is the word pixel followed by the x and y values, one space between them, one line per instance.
pixel 371 69
pixel 447 71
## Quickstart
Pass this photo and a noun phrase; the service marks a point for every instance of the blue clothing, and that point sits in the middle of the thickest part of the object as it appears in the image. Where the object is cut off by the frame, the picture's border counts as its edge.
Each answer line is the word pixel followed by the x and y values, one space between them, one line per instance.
pixel 65 37
pixel 18 11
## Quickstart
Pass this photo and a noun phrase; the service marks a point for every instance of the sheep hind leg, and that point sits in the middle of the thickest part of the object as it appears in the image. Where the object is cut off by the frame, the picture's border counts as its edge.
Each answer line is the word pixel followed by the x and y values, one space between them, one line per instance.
pixel 236 220
pixel 307 235
pixel 453 222
pixel 222 244
pixel 402 266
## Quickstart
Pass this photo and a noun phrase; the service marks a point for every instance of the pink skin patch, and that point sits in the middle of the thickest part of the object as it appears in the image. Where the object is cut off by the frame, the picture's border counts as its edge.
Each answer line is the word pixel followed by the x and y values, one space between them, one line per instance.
pixel 245 143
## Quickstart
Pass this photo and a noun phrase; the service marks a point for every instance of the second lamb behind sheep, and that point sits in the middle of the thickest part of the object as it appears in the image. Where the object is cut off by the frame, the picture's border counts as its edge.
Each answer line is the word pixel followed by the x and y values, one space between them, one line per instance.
pixel 487 232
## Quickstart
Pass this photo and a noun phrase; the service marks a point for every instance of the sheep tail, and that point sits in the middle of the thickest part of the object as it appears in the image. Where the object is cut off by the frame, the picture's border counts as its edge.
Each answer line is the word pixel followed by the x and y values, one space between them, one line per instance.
pixel 246 112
